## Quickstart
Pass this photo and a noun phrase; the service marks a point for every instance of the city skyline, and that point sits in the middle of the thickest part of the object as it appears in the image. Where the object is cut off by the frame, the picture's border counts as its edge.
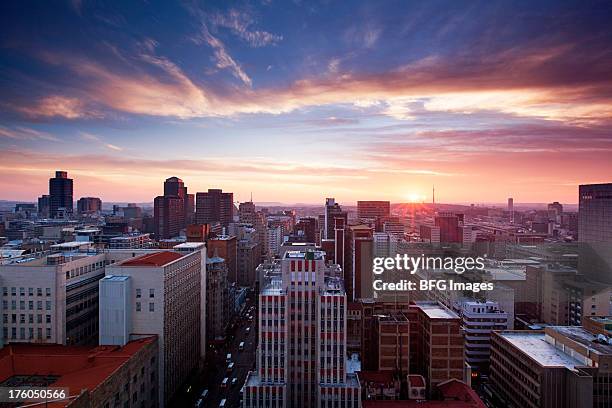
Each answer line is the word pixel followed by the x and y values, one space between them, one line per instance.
pixel 309 100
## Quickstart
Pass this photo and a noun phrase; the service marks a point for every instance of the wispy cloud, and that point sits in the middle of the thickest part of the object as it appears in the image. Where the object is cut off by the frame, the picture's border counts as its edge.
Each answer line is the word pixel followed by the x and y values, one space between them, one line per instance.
pixel 24 133
pixel 96 139
pixel 57 106
pixel 240 23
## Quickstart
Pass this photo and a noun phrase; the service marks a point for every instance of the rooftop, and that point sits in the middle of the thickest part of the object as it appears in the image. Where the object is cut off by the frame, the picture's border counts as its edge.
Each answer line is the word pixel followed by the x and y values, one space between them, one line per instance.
pixel 73 367
pixel 155 259
pixel 534 345
pixel 434 310
pixel 189 245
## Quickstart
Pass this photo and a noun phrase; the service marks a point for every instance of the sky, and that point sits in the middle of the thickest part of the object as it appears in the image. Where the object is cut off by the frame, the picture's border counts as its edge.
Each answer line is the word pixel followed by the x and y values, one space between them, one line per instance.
pixel 295 101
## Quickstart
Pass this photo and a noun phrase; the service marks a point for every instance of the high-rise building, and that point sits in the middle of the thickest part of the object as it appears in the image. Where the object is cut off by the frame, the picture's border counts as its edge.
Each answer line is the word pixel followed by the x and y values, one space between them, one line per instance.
pixel 511 208
pixel 89 205
pixel 561 366
pixel 595 213
pixel 60 195
pixel 162 294
pixel 308 226
pixel 332 210
pixel 451 227
pixel 301 355
pixel 214 206
pixel 247 213
pixel 358 276
pixel 168 215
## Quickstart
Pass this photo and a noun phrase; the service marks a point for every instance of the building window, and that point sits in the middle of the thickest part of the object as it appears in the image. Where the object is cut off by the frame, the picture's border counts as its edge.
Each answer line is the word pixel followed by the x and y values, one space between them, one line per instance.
pixel 5 291
pixel 138 308
pixel 48 291
pixel 48 318
pixel 30 291
pixel 21 291
pixel 151 293
pixel 48 305
pixel 151 307
pixel 48 332
pixel 13 291
pixel 38 291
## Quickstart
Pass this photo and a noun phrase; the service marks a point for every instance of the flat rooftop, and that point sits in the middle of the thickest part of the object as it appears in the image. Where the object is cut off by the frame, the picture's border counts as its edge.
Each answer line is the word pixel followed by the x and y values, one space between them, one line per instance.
pixel 73 367
pixel 434 310
pixel 534 345
pixel 155 259
pixel 583 337
pixel 310 255
pixel 190 245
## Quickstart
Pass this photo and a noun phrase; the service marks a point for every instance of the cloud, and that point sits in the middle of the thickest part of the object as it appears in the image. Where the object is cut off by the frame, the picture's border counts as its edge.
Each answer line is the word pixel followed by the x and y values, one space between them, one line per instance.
pixel 23 133
pixel 96 139
pixel 223 59
pixel 57 106
pixel 239 23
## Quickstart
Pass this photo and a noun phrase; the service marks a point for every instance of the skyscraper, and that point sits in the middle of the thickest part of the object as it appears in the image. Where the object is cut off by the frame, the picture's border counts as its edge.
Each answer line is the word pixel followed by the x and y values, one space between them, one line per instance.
pixel 174 187
pixel 332 210
pixel 168 213
pixel 595 213
pixel 214 206
pixel 60 195
pixel 373 209
pixel 301 355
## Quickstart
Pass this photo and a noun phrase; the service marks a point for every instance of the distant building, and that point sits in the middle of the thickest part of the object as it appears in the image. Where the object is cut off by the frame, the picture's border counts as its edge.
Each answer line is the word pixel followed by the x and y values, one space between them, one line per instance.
pixel 168 214
pixel 60 195
pixel 96 376
pixel 44 206
pixel 89 205
pixel 595 213
pixel 214 206
pixel 332 211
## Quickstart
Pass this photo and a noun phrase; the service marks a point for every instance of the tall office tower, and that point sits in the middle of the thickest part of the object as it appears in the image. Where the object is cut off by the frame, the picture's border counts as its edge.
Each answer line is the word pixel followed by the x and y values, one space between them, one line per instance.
pixel 89 205
pixel 168 214
pixel 595 213
pixel 332 210
pixel 43 206
pixel 60 195
pixel 217 299
pixel 561 366
pixel 249 253
pixel 226 247
pixel 163 298
pixel 301 355
pixel 174 187
pixel 479 320
pixel 214 206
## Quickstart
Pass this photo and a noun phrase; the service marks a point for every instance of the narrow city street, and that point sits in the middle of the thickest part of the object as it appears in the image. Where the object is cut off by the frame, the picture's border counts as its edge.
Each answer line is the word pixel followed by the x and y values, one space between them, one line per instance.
pixel 216 369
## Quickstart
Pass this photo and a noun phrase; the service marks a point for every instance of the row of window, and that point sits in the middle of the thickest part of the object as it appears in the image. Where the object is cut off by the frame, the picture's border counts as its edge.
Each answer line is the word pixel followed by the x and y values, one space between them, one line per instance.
pixel 22 333
pixel 22 318
pixel 22 305
pixel 22 291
